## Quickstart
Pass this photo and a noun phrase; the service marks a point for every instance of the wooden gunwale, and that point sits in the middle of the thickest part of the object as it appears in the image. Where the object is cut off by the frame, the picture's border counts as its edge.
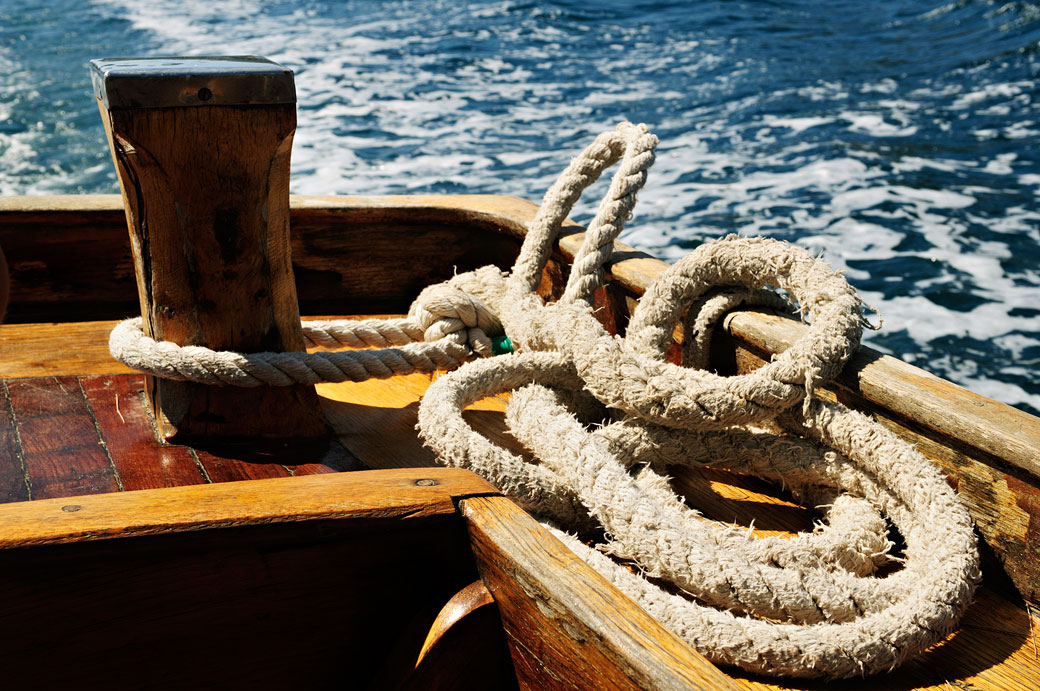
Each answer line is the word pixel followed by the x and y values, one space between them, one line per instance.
pixel 972 420
pixel 400 493
pixel 342 247
pixel 989 450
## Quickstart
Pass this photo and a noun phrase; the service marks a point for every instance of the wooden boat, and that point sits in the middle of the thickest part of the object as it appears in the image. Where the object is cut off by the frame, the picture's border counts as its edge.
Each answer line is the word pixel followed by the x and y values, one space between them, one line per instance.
pixel 130 560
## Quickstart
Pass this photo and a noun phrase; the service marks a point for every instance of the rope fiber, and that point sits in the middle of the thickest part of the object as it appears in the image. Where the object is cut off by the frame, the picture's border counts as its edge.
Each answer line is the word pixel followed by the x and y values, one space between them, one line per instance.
pixel 605 417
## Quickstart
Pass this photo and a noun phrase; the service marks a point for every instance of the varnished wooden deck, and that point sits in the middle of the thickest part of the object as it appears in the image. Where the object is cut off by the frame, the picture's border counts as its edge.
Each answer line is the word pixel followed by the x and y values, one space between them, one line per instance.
pixel 80 426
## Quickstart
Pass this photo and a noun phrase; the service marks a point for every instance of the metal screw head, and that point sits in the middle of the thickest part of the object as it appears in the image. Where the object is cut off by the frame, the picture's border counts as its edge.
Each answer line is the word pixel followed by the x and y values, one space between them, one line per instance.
pixel 425 482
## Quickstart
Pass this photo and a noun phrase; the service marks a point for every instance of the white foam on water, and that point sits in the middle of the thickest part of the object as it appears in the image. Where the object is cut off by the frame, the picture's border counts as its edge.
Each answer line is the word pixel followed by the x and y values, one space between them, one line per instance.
pixel 796 125
pixel 876 125
pixel 17 150
pixel 1004 91
pixel 379 115
pixel 915 163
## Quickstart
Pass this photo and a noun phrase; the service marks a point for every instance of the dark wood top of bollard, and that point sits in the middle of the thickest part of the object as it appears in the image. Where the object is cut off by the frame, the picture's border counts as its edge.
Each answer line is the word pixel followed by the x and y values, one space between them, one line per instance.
pixel 132 83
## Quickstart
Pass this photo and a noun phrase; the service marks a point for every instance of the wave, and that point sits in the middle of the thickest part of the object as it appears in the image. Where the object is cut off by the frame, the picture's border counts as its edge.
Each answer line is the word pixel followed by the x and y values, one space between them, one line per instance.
pixel 888 137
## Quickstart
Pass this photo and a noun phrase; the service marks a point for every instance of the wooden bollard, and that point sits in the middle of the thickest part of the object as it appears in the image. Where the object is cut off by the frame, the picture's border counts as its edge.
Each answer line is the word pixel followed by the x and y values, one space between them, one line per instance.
pixel 201 146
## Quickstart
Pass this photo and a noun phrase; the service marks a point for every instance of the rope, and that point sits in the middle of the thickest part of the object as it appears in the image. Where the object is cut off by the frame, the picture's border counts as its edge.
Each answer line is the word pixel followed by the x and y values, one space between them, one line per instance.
pixel 606 417
pixel 447 324
pixel 810 606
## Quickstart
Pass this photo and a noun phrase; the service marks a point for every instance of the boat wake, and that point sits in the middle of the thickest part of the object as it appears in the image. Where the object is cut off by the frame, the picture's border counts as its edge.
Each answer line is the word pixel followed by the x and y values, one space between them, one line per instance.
pixel 898 151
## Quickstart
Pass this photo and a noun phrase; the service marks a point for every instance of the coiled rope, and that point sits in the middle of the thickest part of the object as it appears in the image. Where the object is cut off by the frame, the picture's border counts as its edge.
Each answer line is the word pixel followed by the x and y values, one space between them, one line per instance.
pixel 809 606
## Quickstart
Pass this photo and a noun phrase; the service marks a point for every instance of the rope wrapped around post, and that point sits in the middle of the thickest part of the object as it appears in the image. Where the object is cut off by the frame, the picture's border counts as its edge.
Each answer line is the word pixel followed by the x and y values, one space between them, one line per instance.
pixel 448 323
pixel 605 416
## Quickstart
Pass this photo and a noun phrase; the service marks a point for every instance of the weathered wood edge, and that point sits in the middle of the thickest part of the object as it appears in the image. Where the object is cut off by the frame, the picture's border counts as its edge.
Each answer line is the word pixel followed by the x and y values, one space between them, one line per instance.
pixel 996 428
pixel 567 626
pixel 1004 502
pixel 1008 433
pixel 966 418
pixel 971 419
pixel 382 494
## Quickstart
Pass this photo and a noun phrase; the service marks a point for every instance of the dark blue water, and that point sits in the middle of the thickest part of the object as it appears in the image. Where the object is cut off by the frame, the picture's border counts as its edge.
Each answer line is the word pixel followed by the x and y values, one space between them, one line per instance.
pixel 900 139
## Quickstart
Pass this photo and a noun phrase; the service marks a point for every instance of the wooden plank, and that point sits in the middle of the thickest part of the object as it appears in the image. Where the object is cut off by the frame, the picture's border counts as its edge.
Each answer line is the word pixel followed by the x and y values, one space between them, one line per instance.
pixel 341 247
pixel 742 500
pixel 375 420
pixel 64 456
pixel 347 256
pixel 334 459
pixel 37 229
pixel 14 485
pixel 909 392
pixel 567 627
pixel 994 649
pixel 405 493
pixel 231 465
pixel 243 603
pixel 129 433
pixel 73 249
pixel 267 459
pixel 83 350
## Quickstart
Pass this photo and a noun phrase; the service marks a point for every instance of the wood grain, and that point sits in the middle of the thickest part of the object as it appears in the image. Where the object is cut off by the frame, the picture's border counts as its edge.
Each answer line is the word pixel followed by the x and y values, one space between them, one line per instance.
pixel 909 392
pixel 75 348
pixel 69 258
pixel 59 441
pixel 964 433
pixel 128 431
pixel 57 349
pixel 567 627
pixel 210 237
pixel 233 465
pixel 1002 497
pixel 398 493
pixel 14 485
pixel 329 236
pixel 994 649
pixel 340 248
pixel 242 594
pixel 257 460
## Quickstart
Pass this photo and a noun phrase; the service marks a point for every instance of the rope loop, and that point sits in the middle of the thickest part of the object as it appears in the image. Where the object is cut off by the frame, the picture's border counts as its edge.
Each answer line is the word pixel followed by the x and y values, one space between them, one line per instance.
pixel 672 395
pixel 605 417
pixel 809 606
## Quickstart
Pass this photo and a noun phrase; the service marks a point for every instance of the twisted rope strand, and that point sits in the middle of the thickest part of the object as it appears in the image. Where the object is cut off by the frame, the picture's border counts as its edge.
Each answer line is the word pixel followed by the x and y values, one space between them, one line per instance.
pixel 810 605
pixel 129 345
pixel 807 606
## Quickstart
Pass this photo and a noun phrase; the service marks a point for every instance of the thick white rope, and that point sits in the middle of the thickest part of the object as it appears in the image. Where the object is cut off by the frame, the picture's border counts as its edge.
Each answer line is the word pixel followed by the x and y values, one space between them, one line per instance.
pixel 802 607
pixel 447 323
pixel 805 606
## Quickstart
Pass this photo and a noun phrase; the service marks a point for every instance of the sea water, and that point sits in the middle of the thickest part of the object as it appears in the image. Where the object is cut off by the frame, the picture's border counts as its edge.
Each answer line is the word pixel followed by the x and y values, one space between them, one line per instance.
pixel 898 138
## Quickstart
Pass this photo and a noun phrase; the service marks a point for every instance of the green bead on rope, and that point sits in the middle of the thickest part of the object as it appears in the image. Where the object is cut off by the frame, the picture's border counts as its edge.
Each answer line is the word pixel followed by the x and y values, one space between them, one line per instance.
pixel 501 345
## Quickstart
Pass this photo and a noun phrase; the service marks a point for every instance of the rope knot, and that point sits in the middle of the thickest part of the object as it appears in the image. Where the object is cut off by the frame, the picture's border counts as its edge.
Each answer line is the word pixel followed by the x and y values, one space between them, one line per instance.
pixel 794 606
pixel 458 310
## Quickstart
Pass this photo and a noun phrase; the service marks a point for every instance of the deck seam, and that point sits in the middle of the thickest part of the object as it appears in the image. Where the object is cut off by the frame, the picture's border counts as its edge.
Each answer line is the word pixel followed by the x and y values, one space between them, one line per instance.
pixel 200 465
pixel 101 437
pixel 19 451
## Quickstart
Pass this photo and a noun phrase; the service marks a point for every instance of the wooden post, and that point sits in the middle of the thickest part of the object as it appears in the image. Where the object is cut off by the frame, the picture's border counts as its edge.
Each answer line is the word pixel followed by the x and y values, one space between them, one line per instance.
pixel 201 147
